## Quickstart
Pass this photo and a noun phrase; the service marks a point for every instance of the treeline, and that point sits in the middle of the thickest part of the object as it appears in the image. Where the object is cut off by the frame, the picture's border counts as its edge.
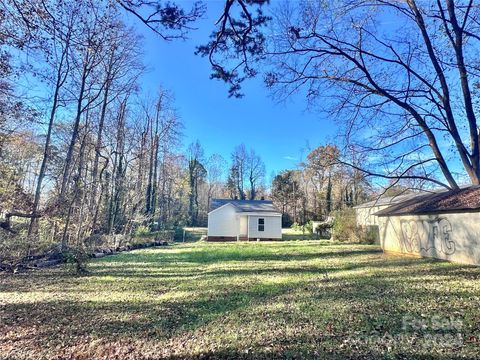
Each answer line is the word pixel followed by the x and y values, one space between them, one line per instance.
pixel 320 186
pixel 77 136
pixel 214 177
pixel 85 151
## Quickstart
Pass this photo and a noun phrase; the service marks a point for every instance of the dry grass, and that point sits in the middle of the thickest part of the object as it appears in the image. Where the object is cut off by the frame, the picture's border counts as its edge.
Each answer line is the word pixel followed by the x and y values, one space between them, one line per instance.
pixel 293 299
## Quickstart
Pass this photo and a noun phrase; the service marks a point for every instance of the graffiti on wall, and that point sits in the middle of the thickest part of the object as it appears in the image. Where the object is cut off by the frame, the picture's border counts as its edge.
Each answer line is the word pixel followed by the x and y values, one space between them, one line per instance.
pixel 427 235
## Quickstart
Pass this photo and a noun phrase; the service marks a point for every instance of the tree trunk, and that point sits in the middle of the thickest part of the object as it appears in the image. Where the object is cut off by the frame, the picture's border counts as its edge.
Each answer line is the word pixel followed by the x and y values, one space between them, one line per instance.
pixel 73 140
pixel 94 204
pixel 60 80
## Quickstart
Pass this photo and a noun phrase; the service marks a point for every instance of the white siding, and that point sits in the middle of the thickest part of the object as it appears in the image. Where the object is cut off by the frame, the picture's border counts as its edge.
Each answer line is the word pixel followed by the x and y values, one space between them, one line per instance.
pixel 223 222
pixel 273 227
pixel 365 217
pixel 454 237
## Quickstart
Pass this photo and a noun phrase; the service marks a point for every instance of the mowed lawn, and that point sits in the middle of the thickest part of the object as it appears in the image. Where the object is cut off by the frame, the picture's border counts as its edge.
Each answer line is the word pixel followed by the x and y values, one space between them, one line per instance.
pixel 292 299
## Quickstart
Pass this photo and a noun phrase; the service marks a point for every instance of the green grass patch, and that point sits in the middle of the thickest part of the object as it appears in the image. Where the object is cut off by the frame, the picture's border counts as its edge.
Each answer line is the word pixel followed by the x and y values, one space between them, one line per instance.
pixel 190 234
pixel 292 299
pixel 293 234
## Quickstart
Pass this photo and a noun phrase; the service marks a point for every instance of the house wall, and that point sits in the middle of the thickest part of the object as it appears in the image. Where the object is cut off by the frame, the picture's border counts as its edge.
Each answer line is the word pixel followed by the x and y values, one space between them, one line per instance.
pixel 454 237
pixel 223 222
pixel 365 217
pixel 273 227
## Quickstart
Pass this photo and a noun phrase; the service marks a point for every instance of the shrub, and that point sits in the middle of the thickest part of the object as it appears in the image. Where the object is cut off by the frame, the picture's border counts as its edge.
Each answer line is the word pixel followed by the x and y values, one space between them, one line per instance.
pixel 304 231
pixel 308 227
pixel 296 227
pixel 178 233
pixel 305 228
pixel 17 248
pixel 142 231
pixel 324 229
pixel 286 221
pixel 78 258
pixel 345 228
pixel 372 234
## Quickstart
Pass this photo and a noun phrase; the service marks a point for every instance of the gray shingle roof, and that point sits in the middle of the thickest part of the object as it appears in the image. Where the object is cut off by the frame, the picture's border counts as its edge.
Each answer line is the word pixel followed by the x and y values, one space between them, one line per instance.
pixel 464 199
pixel 386 201
pixel 245 205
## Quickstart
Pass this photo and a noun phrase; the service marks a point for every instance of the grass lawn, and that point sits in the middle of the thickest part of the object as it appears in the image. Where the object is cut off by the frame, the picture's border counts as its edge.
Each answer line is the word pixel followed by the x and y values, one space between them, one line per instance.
pixel 290 234
pixel 292 299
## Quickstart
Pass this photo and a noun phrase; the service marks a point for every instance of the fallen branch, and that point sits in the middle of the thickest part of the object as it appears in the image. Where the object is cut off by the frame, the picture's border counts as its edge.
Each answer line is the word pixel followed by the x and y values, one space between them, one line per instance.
pixel 7 225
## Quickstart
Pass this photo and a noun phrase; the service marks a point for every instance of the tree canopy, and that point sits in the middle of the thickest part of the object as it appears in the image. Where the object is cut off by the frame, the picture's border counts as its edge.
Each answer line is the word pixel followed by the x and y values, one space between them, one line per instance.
pixel 401 77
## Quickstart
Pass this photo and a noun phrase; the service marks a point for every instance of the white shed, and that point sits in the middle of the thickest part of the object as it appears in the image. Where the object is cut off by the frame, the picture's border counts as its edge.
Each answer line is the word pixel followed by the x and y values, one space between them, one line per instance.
pixel 230 220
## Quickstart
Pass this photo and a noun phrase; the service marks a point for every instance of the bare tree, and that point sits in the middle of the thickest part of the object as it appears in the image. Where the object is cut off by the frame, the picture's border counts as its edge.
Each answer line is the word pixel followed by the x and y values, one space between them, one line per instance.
pixel 196 175
pixel 404 89
pixel 80 171
pixel 121 69
pixel 255 173
pixel 239 170
pixel 90 55
pixel 60 33
pixel 163 128
pixel 216 167
pixel 168 20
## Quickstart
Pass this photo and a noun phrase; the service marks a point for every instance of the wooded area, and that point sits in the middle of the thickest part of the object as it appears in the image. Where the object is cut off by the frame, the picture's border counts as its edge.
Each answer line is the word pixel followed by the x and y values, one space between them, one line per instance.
pixel 85 152
pixel 400 78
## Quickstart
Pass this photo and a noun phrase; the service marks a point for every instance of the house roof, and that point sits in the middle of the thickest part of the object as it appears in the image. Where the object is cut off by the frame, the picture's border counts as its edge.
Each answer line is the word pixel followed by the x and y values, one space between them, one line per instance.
pixel 245 205
pixel 386 201
pixel 461 200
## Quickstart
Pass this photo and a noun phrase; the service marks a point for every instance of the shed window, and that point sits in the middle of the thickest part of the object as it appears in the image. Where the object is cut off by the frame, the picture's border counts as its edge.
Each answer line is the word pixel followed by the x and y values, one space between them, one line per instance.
pixel 261 224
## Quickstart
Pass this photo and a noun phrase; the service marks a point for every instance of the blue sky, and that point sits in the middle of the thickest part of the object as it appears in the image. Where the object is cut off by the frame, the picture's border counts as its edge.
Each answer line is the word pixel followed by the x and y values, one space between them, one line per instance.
pixel 277 131
pixel 281 133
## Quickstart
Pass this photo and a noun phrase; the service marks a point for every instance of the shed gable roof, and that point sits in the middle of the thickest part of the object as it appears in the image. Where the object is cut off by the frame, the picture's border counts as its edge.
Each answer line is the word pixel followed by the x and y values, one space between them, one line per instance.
pixel 245 205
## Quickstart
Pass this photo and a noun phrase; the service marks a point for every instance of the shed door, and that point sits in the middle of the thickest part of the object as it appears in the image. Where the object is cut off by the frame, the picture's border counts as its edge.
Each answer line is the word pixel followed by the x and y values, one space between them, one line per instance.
pixel 243 226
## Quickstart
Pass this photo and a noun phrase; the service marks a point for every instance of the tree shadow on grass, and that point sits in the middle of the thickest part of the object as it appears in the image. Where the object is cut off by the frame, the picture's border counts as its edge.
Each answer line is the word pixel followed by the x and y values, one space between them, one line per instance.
pixel 337 354
pixel 377 299
pixel 165 270
pixel 160 321
pixel 110 320
pixel 210 257
pixel 280 265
